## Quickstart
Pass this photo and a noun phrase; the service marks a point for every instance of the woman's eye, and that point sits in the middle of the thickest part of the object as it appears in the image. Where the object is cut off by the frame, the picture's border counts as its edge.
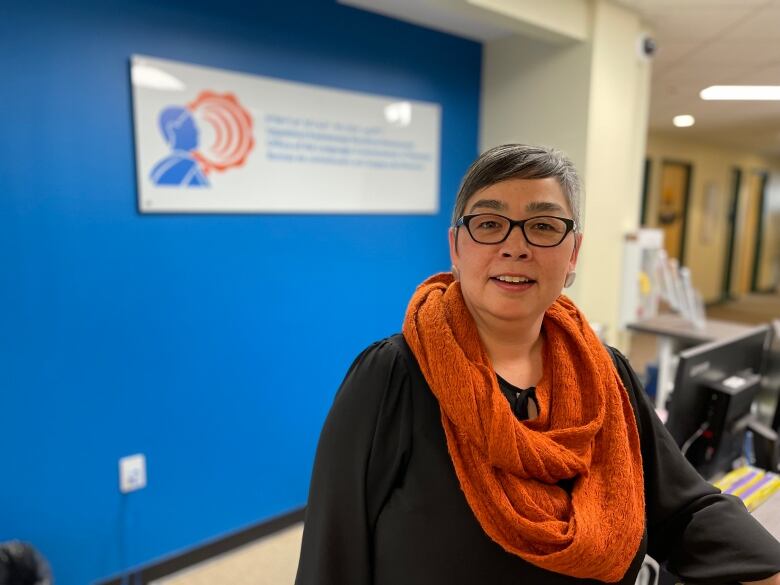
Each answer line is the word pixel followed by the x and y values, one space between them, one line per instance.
pixel 542 226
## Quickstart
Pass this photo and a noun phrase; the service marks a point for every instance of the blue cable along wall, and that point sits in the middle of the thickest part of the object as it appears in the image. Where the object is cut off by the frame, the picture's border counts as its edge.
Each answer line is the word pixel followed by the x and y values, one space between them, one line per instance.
pixel 213 344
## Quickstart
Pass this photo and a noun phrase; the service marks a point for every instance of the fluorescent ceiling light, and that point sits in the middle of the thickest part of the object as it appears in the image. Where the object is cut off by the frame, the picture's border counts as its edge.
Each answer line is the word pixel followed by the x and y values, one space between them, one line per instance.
pixel 683 120
pixel 741 92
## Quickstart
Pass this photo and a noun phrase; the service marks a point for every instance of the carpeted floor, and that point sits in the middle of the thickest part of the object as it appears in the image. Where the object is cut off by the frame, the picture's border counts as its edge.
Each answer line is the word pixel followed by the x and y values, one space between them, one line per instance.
pixel 752 309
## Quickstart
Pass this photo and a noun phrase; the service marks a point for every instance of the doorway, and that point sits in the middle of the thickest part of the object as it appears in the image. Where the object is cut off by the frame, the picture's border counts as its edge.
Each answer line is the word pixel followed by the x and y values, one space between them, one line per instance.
pixel 744 240
pixel 672 210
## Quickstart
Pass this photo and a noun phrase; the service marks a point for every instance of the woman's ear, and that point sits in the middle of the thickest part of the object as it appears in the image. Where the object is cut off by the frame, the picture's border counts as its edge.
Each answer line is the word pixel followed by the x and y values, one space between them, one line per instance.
pixel 575 252
pixel 453 238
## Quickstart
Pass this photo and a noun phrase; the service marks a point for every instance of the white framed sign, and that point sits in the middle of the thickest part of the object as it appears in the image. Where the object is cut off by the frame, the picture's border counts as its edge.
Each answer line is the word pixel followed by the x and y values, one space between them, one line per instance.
pixel 214 141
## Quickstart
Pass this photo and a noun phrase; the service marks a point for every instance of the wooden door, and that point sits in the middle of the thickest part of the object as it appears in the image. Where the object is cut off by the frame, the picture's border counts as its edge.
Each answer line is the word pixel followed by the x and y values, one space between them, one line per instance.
pixel 748 218
pixel 672 207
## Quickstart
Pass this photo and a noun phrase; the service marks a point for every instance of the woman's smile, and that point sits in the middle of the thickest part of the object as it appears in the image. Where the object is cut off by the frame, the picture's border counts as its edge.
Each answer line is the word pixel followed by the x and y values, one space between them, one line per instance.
pixel 513 283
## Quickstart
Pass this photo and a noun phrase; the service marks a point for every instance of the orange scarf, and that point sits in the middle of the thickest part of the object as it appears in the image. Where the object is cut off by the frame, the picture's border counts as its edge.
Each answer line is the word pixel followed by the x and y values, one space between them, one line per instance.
pixel 509 469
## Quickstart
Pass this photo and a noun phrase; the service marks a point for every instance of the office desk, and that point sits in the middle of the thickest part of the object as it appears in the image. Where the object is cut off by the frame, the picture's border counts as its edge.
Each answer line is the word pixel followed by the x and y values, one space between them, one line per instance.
pixel 768 514
pixel 675 334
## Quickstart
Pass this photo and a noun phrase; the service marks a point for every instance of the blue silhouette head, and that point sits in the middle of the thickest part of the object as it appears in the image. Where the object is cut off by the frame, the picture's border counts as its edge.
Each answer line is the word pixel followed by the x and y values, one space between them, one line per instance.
pixel 178 128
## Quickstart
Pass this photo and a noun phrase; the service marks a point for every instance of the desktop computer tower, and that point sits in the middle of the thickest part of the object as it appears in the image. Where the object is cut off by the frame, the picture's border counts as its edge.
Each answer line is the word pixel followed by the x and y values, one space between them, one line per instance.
pixel 726 401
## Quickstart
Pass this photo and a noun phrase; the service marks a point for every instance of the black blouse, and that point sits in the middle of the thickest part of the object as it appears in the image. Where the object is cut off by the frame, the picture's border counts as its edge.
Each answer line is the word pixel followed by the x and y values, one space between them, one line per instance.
pixel 385 506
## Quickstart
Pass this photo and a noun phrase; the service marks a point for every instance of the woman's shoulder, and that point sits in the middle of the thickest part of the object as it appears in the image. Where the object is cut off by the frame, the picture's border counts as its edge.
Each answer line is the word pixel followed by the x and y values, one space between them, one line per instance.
pixel 374 401
pixel 381 357
pixel 381 368
pixel 383 351
pixel 644 412
pixel 623 367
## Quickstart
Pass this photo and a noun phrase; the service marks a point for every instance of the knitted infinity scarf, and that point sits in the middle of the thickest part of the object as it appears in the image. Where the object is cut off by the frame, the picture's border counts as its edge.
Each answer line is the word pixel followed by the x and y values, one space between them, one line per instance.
pixel 508 469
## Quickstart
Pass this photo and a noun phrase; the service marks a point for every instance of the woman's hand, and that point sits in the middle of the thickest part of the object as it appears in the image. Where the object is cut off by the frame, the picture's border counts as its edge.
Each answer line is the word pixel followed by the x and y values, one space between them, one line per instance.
pixel 775 580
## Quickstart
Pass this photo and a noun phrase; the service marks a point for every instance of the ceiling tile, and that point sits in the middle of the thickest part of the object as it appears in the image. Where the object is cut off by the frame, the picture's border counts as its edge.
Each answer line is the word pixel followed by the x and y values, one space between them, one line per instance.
pixel 762 24
pixel 673 51
pixel 748 53
pixel 643 5
pixel 768 75
pixel 690 23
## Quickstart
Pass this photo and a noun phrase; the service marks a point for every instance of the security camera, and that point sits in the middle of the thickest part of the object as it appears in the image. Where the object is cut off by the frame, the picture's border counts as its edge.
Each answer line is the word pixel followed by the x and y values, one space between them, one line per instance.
pixel 646 46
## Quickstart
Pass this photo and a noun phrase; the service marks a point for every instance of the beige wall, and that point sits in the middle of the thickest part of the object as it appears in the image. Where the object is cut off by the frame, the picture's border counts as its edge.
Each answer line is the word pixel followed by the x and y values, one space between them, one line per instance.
pixel 589 99
pixel 617 127
pixel 535 93
pixel 708 207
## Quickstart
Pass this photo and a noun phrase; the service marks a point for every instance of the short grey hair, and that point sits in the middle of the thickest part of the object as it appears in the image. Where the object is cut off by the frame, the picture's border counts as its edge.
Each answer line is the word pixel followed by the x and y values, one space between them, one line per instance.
pixel 521 161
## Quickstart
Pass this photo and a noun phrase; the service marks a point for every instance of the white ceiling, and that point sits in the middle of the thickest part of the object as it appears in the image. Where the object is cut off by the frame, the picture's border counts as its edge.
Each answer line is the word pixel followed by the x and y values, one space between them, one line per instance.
pixel 715 42
pixel 700 43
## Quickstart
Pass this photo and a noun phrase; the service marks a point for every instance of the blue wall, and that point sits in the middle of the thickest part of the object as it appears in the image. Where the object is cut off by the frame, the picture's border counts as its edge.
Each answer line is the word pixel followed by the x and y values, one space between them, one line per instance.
pixel 213 344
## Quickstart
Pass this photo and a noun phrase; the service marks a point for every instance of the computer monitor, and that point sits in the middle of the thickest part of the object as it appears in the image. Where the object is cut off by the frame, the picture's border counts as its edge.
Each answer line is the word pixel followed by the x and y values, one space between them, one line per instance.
pixel 767 405
pixel 714 388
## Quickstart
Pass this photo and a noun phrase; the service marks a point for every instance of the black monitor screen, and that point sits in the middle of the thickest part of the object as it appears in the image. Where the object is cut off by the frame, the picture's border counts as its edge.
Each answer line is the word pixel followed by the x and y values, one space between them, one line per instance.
pixel 768 401
pixel 708 373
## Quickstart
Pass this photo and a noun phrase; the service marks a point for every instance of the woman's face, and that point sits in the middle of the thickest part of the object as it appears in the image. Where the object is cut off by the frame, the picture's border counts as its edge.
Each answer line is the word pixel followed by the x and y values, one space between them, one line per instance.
pixel 480 266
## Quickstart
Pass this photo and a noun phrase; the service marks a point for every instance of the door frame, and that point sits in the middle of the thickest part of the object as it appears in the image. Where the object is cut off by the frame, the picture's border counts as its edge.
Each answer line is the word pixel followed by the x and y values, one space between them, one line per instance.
pixel 757 248
pixel 736 187
pixel 645 191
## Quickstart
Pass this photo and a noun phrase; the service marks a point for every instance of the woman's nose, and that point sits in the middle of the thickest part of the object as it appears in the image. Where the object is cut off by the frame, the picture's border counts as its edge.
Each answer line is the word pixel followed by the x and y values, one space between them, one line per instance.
pixel 515 244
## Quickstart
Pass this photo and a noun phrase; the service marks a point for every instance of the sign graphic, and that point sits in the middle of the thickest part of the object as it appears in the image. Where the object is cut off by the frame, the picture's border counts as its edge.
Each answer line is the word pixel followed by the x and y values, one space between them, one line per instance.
pixel 186 165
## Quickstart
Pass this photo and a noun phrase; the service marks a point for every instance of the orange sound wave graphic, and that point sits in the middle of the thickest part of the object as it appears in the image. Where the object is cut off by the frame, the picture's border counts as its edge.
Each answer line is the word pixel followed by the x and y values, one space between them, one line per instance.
pixel 232 125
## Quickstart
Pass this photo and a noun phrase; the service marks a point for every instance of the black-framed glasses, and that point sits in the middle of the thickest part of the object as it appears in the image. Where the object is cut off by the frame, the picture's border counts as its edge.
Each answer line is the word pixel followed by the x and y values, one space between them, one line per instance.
pixel 544 231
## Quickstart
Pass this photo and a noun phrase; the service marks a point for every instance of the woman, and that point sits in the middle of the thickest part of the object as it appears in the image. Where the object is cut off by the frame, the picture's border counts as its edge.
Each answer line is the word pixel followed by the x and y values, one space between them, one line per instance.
pixel 495 441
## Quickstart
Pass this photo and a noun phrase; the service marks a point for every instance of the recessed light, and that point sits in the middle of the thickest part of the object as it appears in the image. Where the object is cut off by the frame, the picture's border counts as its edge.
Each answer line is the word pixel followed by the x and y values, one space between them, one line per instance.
pixel 683 120
pixel 741 92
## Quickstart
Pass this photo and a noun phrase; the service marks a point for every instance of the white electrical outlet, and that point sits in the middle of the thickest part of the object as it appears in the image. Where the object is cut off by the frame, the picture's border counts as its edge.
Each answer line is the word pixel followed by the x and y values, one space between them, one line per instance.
pixel 132 473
